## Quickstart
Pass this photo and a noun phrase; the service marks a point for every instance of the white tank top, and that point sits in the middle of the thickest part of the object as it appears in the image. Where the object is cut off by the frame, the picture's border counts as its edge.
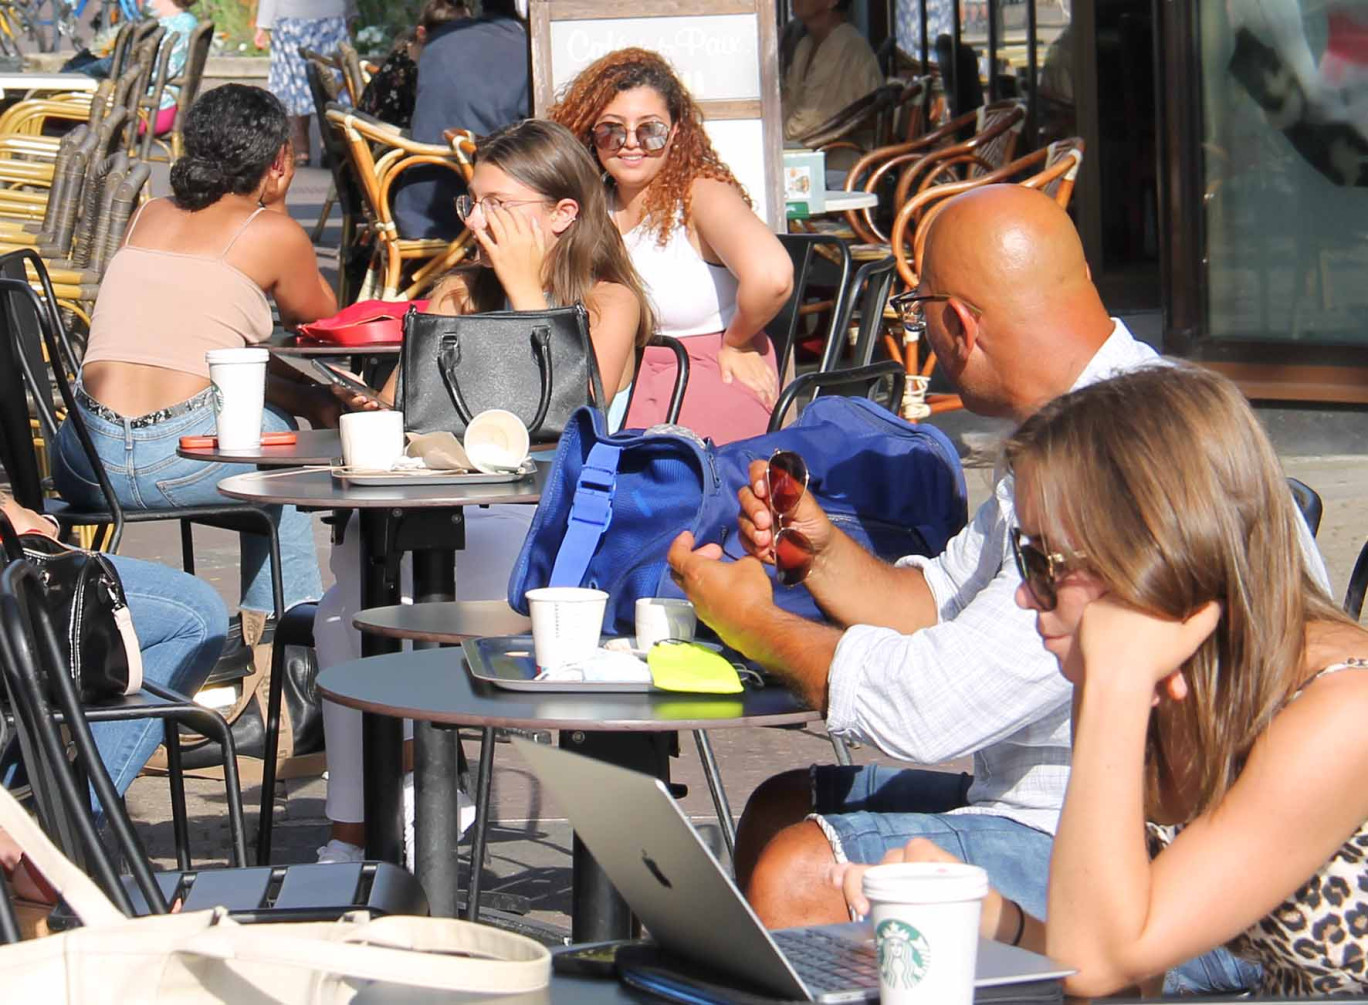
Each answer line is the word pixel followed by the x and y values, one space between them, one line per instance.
pixel 690 296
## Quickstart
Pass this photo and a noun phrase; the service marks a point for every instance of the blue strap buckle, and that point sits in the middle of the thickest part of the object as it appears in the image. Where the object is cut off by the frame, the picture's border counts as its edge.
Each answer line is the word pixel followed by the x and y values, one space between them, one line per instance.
pixel 594 494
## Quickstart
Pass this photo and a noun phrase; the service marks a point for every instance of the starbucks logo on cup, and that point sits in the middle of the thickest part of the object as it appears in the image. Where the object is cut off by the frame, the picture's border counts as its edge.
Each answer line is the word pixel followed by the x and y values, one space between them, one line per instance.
pixel 904 954
pixel 217 396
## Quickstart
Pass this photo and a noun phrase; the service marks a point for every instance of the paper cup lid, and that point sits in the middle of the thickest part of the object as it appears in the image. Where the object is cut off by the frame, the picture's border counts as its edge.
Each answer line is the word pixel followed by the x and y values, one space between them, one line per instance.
pixel 566 595
pixel 245 355
pixel 925 883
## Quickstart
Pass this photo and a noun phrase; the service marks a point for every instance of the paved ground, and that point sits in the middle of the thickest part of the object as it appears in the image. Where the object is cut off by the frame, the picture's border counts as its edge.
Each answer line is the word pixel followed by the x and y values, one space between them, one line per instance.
pixel 530 841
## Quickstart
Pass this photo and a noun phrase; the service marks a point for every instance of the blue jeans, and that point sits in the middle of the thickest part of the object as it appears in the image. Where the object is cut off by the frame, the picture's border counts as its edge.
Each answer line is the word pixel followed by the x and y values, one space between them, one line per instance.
pixel 872 809
pixel 181 623
pixel 869 810
pixel 146 474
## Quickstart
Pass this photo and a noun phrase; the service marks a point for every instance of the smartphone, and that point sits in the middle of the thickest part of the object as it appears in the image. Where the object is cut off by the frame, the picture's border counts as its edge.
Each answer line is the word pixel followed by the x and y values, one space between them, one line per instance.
pixel 342 378
pixel 280 438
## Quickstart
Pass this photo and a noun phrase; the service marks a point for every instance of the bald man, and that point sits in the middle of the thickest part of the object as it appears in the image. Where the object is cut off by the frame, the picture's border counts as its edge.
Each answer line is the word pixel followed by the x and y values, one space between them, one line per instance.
pixel 930 659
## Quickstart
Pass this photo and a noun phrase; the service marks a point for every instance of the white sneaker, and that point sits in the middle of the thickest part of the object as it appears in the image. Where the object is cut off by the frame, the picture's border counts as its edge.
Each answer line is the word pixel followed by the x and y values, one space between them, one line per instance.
pixel 340 851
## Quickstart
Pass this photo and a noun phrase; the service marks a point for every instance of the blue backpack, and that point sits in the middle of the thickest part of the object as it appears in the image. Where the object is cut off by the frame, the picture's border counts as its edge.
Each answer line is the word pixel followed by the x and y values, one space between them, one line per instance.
pixel 613 503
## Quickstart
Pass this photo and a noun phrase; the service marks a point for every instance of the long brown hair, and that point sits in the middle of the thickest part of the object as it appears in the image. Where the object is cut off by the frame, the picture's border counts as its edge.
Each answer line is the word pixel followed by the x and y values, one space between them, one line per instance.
pixel 1166 485
pixel 669 198
pixel 545 157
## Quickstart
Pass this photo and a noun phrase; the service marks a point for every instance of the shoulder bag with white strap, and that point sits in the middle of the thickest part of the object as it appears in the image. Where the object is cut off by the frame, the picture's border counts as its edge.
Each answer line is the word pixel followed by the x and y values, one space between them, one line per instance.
pixel 205 956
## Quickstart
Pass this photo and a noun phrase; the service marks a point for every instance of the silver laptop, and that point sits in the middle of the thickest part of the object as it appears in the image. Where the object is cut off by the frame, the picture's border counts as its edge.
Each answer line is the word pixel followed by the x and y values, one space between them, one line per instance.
pixel 662 868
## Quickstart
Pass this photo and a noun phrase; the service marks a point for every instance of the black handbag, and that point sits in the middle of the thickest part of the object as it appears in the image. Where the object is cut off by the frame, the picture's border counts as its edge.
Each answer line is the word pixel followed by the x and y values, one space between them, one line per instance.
pixel 539 365
pixel 89 611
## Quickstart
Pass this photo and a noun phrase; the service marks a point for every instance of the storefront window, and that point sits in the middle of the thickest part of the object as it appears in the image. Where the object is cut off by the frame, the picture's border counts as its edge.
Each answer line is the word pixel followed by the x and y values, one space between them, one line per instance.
pixel 1285 107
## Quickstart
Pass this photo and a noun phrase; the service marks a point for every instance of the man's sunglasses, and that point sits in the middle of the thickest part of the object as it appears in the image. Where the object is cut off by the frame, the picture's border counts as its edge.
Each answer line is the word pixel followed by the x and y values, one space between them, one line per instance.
pixel 1040 570
pixel 911 307
pixel 610 137
pixel 786 479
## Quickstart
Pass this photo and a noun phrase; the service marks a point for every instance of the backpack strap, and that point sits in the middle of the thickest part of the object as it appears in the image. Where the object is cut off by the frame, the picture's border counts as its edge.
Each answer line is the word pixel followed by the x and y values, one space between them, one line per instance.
pixel 590 514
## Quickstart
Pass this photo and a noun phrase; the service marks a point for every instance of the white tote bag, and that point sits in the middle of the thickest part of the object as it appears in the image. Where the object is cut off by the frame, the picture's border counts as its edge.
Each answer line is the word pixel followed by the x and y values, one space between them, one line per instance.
pixel 205 956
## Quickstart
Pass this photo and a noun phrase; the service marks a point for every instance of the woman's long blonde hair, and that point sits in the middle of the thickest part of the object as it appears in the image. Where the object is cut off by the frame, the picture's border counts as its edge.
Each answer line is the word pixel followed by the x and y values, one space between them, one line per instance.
pixel 1165 484
pixel 548 159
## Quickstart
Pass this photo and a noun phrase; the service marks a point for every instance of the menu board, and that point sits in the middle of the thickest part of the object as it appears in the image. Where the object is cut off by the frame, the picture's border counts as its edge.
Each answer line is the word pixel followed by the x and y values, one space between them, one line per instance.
pixel 725 52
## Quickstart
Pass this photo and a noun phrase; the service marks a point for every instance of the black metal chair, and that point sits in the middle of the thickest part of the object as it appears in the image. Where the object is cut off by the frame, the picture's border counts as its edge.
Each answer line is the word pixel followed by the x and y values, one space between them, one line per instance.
pixel 1312 509
pixel 34 326
pixel 864 380
pixel 32 666
pixel 870 287
pixel 354 248
pixel 681 384
pixel 811 255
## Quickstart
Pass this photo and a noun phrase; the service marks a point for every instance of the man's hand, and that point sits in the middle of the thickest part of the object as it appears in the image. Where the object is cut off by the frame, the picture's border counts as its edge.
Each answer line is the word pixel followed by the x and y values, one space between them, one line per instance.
pixel 726 595
pixel 757 523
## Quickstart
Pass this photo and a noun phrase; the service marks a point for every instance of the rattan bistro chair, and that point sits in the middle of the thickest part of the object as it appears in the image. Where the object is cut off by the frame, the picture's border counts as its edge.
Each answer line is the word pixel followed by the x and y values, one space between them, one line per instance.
pixel 380 154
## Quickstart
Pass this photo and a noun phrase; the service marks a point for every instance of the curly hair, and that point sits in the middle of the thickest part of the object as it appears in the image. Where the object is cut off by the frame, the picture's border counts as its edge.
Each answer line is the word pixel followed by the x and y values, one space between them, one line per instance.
pixel 691 156
pixel 233 134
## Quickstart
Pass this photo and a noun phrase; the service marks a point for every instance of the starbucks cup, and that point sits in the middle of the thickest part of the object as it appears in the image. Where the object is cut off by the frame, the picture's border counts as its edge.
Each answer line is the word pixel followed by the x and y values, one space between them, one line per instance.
pixel 238 377
pixel 566 623
pixel 926 930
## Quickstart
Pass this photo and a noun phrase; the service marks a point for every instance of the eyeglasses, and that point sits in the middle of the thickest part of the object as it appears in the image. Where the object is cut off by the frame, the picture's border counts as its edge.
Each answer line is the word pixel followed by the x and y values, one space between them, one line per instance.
pixel 911 307
pixel 466 206
pixel 786 479
pixel 1040 570
pixel 610 137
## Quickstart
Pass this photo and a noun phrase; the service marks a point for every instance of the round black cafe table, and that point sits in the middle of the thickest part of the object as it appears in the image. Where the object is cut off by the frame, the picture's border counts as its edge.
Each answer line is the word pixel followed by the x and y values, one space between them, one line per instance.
pixel 627 729
pixel 311 447
pixel 428 521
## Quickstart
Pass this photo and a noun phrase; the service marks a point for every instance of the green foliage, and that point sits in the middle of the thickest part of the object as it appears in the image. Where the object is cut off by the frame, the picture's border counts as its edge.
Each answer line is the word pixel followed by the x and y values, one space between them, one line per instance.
pixel 377 24
pixel 233 28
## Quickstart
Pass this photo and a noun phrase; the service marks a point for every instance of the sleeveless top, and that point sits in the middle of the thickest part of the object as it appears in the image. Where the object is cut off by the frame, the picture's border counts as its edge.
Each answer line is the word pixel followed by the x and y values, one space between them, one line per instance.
pixel 1316 941
pixel 690 296
pixel 167 308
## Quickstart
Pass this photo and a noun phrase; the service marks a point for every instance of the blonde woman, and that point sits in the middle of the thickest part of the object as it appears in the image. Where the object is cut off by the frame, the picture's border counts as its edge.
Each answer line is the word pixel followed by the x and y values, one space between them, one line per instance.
pixel 1216 795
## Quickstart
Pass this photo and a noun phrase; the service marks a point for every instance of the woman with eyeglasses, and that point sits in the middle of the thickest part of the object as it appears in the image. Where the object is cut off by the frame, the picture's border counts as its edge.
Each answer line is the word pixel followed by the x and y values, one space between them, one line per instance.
pixel 538 213
pixel 1216 793
pixel 715 272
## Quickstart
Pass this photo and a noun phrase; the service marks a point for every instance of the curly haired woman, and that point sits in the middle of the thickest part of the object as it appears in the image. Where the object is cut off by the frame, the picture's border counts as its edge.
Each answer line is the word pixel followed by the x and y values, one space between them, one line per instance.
pixel 715 272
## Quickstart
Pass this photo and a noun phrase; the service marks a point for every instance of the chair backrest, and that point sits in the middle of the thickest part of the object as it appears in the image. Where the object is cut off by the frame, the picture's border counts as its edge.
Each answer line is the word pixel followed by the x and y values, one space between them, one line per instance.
pixel 192 74
pixel 17 453
pixel 855 116
pixel 323 87
pixel 803 251
pixel 864 381
pixel 909 121
pixel 92 219
pixel 34 668
pixel 869 290
pixel 352 74
pixel 681 383
pixel 1309 502
pixel 65 173
pixel 123 40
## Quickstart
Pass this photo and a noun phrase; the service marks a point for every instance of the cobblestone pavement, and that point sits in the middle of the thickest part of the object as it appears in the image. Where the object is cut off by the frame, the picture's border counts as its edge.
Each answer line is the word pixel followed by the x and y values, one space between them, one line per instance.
pixel 530 842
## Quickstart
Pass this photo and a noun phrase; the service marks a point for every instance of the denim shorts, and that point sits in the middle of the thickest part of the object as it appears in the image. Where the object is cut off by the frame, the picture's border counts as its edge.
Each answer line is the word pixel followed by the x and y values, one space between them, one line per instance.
pixel 865 811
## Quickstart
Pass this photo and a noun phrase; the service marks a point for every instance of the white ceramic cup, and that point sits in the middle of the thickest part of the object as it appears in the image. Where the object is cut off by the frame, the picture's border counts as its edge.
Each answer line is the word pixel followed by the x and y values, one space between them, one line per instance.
pixel 566 623
pixel 372 441
pixel 926 930
pixel 659 619
pixel 496 441
pixel 238 377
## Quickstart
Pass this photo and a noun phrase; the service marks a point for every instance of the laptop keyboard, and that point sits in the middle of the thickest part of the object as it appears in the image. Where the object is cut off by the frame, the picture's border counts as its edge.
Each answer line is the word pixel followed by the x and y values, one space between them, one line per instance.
pixel 827 962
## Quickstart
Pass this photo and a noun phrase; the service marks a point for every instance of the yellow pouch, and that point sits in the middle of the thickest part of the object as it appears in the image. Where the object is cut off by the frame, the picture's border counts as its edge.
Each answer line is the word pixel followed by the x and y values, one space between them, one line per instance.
pixel 691 668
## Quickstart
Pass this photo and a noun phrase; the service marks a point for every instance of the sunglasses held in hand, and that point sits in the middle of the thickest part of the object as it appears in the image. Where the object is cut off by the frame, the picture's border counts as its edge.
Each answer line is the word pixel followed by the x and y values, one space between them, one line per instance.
pixel 786 481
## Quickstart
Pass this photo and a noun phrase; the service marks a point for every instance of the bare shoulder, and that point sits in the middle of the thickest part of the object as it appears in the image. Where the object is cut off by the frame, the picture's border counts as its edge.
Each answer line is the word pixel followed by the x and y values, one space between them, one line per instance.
pixel 709 194
pixel 606 296
pixel 1333 703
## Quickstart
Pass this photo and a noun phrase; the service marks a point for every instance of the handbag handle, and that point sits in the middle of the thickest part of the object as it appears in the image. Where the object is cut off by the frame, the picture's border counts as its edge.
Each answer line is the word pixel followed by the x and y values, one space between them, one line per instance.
pixel 450 356
pixel 72 885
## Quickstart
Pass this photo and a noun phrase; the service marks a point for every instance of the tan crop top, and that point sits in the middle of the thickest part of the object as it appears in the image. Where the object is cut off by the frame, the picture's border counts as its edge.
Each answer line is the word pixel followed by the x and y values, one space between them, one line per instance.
pixel 167 309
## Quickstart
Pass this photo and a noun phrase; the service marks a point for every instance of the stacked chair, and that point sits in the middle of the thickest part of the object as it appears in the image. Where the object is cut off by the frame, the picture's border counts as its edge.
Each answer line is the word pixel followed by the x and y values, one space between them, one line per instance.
pixel 187 84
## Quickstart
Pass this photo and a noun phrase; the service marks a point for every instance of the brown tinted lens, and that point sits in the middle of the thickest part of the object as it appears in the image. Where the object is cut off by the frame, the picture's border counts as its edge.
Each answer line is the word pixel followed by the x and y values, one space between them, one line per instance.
pixel 609 136
pixel 793 555
pixel 652 135
pixel 1034 566
pixel 788 478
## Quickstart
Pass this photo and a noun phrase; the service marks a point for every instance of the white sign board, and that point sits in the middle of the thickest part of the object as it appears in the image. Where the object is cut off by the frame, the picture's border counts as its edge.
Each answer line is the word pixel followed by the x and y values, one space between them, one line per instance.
pixel 723 50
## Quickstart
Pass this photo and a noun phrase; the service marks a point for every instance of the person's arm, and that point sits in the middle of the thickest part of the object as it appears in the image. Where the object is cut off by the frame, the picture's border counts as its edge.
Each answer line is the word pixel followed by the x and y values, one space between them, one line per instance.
pixel 300 291
pixel 728 228
pixel 614 316
pixel 1118 916
pixel 25 520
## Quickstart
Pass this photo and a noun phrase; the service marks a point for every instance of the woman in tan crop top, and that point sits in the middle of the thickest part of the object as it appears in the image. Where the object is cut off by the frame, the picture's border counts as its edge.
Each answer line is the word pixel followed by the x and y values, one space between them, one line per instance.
pixel 1218 693
pixel 194 274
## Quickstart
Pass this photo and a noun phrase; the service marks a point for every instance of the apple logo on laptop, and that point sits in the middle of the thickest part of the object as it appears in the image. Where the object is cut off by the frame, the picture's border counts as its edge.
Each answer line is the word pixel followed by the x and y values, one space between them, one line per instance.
pixel 660 877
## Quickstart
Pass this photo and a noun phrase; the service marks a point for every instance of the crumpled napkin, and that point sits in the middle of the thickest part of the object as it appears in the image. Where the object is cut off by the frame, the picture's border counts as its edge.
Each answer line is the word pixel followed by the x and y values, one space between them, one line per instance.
pixel 603 666
pixel 439 451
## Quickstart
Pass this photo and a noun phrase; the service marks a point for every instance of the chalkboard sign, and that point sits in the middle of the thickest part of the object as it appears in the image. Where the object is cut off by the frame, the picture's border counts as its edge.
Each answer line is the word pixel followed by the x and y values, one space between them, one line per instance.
pixel 724 51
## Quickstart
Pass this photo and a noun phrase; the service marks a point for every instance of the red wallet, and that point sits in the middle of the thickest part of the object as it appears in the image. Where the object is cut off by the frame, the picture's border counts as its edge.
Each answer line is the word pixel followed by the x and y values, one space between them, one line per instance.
pixel 369 322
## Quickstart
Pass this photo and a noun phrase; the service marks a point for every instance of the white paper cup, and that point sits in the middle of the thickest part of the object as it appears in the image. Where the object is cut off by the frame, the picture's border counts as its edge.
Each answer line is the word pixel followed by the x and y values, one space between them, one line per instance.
pixel 566 623
pixel 496 440
pixel 926 930
pixel 659 619
pixel 238 377
pixel 372 441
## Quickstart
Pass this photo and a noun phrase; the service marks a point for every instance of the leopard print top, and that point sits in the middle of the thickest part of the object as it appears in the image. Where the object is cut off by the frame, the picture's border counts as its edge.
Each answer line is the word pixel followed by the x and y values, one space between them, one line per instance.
pixel 1316 941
